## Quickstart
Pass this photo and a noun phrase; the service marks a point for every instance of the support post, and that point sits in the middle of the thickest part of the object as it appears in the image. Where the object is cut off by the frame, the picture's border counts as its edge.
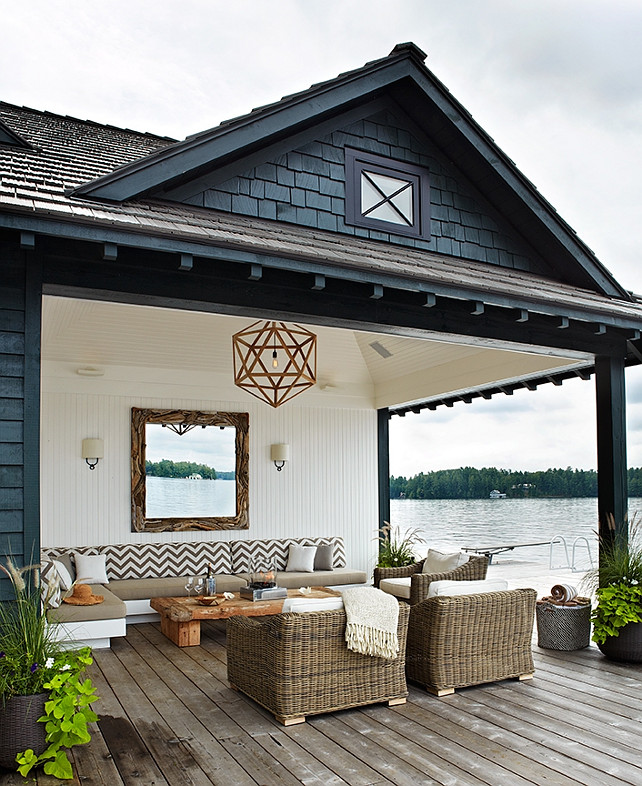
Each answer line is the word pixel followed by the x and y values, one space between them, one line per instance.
pixel 383 455
pixel 383 458
pixel 611 447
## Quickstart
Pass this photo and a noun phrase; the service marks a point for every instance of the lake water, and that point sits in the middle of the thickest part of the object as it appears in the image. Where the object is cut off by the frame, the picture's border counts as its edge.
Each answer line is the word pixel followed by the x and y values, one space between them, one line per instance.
pixel 181 497
pixel 488 522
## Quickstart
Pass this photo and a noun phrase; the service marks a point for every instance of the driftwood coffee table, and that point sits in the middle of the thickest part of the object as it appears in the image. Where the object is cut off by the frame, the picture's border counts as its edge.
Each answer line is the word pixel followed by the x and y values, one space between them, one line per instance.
pixel 181 617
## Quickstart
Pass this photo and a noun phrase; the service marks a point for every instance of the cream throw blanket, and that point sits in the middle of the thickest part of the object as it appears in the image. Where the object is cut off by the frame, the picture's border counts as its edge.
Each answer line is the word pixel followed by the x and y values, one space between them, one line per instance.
pixel 371 622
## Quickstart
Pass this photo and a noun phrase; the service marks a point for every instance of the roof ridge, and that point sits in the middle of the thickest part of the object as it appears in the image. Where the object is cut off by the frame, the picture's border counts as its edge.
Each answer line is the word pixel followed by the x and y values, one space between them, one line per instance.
pixel 400 51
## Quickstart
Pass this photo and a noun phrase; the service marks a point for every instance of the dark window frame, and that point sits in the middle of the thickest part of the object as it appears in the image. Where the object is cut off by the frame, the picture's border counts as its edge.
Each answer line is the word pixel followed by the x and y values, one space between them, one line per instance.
pixel 356 161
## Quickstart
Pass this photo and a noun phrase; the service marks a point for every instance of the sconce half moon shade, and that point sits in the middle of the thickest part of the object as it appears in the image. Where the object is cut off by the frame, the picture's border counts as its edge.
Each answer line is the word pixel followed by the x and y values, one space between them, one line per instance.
pixel 279 454
pixel 92 450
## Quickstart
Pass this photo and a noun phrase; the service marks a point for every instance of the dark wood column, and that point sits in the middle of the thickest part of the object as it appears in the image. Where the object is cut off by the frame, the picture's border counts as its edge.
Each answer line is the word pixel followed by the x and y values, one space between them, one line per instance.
pixel 383 455
pixel 611 445
pixel 20 289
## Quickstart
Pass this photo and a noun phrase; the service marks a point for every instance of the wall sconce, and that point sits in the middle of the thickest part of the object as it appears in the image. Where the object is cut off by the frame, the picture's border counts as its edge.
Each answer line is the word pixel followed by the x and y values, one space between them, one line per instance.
pixel 279 454
pixel 92 450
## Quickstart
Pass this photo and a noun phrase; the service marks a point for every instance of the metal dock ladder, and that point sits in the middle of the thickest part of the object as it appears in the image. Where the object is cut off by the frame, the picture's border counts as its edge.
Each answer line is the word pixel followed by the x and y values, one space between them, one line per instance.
pixel 560 540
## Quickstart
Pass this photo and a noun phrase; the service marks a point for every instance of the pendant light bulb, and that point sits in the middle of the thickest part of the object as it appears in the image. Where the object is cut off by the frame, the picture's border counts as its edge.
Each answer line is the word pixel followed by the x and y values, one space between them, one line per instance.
pixel 275 362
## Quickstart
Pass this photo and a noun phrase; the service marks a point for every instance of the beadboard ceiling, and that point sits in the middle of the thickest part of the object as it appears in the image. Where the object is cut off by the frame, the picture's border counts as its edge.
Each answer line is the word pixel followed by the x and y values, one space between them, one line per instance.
pixel 396 370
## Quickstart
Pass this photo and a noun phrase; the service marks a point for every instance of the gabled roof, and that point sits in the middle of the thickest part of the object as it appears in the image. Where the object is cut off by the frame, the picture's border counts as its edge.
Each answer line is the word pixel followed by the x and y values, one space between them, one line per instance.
pixel 403 79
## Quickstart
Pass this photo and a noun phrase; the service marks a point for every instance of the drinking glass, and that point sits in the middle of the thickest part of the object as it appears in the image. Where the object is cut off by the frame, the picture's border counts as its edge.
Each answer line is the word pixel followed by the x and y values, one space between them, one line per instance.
pixel 189 586
pixel 198 585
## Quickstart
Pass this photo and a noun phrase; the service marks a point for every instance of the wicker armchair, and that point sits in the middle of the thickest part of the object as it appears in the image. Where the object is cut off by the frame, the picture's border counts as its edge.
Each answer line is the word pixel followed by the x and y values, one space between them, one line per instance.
pixel 454 641
pixel 473 570
pixel 298 664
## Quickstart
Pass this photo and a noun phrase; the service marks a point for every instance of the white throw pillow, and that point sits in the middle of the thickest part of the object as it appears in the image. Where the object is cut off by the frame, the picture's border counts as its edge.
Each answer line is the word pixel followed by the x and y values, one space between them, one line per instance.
pixel 466 587
pixel 63 574
pixel 438 562
pixel 301 558
pixel 90 568
pixel 400 588
pixel 312 604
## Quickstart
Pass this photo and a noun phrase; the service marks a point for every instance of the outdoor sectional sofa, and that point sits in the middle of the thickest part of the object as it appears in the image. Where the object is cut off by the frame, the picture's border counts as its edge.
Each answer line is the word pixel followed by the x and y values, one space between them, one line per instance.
pixel 137 572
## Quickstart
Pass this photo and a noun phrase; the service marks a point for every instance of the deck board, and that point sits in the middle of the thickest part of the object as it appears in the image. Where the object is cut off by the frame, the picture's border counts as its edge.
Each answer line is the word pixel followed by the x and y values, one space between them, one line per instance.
pixel 168 718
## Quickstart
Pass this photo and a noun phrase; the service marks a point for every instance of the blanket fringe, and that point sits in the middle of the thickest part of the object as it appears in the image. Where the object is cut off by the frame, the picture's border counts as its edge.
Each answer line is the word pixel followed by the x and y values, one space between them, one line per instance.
pixel 371 641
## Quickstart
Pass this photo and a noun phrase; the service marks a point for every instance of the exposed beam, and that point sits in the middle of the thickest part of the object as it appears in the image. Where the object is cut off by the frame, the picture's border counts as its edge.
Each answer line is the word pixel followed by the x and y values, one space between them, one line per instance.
pixel 377 292
pixel 256 272
pixel 478 308
pixel 522 315
pixel 28 240
pixel 431 300
pixel 563 323
pixel 110 252
pixel 187 262
pixel 319 282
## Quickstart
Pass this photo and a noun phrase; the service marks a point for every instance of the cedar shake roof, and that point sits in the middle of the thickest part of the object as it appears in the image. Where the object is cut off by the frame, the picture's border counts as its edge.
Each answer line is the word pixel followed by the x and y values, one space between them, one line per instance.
pixel 42 181
pixel 67 151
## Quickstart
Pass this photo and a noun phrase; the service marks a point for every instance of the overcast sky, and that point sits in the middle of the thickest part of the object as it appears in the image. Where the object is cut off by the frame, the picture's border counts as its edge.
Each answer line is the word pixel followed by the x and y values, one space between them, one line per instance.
pixel 556 83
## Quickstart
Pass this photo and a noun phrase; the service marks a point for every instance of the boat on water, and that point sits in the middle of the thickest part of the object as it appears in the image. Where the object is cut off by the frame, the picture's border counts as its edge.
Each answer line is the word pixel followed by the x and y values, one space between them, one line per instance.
pixel 495 494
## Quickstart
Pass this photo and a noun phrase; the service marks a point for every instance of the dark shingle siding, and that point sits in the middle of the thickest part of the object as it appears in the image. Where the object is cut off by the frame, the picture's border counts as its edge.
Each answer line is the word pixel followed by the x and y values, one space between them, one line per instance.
pixel 307 186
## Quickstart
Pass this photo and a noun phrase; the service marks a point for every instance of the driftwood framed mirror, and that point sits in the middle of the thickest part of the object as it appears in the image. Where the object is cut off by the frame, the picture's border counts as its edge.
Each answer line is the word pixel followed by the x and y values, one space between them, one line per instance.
pixel 190 470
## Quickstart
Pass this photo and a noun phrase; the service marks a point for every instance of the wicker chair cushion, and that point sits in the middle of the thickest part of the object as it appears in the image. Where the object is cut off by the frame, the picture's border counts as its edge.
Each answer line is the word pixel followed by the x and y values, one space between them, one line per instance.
pixel 400 588
pixel 450 588
pixel 312 604
pixel 438 562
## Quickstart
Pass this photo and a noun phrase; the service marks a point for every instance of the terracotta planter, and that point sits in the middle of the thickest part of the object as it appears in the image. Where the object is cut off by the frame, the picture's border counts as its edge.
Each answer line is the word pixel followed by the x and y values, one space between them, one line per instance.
pixel 627 646
pixel 19 728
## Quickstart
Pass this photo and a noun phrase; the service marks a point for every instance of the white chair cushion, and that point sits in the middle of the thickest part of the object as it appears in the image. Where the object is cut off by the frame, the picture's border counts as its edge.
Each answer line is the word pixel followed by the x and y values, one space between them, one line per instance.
pixel 466 587
pixel 400 588
pixel 312 604
pixel 438 562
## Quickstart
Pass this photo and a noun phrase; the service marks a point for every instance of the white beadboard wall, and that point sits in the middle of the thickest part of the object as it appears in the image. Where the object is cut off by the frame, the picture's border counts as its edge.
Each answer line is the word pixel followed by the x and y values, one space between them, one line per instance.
pixel 329 486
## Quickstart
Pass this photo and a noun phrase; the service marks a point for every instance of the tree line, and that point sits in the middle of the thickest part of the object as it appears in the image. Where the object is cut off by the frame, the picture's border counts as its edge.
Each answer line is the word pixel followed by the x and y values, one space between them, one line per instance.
pixel 183 469
pixel 471 483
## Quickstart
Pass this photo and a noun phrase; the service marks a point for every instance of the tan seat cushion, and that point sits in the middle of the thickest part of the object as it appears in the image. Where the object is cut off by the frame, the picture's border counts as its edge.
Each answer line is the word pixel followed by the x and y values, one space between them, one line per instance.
pixel 142 589
pixel 111 608
pixel 400 588
pixel 319 578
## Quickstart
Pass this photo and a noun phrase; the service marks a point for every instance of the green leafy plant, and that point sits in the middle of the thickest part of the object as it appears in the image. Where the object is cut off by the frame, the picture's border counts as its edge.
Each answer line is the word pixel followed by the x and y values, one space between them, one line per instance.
pixel 617 581
pixel 33 660
pixel 395 550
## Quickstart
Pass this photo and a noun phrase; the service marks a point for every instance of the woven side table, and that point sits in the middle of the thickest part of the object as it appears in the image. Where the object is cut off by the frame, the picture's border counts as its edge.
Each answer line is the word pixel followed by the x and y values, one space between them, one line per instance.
pixel 563 627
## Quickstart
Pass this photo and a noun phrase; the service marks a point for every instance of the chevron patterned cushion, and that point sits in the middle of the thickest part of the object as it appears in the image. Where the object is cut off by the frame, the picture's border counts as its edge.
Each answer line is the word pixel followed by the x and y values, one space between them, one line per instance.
pixel 161 560
pixel 265 552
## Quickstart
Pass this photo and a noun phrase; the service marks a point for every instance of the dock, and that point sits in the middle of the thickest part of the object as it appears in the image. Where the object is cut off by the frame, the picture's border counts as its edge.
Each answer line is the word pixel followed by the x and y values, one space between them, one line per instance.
pixel 169 718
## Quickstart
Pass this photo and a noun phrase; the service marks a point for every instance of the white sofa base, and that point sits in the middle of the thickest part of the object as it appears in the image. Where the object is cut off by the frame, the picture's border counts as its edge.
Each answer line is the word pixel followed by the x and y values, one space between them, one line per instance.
pixel 96 634
pixel 140 611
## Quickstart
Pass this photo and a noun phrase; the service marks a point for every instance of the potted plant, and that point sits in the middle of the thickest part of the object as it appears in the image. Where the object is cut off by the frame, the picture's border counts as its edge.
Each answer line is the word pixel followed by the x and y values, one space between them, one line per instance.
pixel 395 550
pixel 617 582
pixel 44 700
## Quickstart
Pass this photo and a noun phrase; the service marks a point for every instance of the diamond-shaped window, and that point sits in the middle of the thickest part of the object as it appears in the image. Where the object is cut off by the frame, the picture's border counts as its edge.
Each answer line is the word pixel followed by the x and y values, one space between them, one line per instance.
pixel 387 195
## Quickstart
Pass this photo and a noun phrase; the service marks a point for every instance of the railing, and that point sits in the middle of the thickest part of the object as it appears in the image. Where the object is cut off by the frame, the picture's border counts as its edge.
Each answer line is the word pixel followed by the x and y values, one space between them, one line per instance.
pixel 570 563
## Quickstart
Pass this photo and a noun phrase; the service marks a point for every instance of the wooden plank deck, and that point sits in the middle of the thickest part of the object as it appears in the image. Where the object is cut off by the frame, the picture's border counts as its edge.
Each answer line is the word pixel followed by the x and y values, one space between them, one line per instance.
pixel 168 718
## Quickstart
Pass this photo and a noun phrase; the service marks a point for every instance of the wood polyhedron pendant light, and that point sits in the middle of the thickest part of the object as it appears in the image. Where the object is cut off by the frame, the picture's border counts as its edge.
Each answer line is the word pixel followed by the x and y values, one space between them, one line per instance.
pixel 273 361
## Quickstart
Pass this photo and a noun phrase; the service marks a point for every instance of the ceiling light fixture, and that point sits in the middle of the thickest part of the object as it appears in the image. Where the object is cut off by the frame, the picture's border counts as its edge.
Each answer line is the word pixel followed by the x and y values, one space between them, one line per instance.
pixel 273 361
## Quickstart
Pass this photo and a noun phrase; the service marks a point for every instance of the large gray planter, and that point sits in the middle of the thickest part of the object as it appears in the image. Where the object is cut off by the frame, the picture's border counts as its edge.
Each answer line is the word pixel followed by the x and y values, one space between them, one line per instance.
pixel 19 728
pixel 627 646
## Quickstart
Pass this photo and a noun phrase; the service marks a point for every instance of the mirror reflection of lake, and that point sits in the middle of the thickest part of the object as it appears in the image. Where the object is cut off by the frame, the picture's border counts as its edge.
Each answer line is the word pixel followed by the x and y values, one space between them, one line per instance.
pixel 183 498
